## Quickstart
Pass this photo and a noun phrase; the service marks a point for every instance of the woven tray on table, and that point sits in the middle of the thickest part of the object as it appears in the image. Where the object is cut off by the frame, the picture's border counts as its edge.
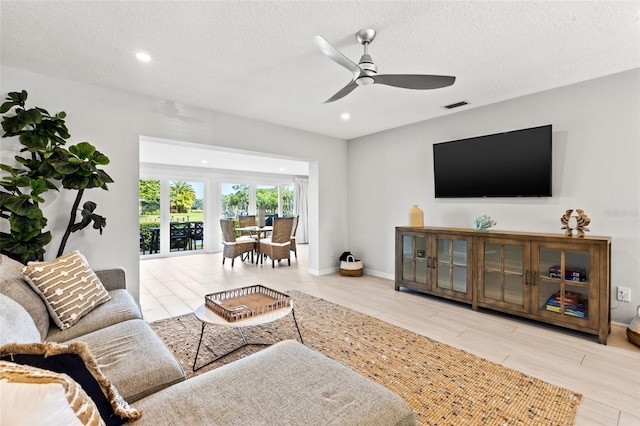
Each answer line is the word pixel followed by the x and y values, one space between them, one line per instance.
pixel 241 303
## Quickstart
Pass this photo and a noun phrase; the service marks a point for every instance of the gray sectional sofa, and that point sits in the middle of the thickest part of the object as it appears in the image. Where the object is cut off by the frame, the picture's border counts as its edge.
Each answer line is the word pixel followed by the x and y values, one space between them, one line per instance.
pixel 286 384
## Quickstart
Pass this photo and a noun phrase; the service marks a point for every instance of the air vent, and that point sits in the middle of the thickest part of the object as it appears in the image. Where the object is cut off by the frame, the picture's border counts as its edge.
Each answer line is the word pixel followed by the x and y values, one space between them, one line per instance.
pixel 456 105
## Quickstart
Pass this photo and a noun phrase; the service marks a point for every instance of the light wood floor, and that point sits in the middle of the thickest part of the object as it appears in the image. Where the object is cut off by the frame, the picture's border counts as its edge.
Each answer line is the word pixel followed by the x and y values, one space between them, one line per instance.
pixel 608 376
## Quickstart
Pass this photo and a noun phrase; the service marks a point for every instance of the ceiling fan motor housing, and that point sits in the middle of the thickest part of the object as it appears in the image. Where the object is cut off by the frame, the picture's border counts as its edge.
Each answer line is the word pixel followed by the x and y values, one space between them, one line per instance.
pixel 369 69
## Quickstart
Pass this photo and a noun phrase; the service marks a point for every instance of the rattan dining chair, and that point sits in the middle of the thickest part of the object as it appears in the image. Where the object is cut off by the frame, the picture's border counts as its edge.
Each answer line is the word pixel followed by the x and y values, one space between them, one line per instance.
pixel 244 221
pixel 232 246
pixel 278 246
pixel 293 247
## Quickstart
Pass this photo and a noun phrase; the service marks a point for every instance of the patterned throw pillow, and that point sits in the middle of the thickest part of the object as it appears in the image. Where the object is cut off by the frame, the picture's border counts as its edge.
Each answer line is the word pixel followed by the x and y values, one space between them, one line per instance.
pixel 68 286
pixel 76 361
pixel 34 396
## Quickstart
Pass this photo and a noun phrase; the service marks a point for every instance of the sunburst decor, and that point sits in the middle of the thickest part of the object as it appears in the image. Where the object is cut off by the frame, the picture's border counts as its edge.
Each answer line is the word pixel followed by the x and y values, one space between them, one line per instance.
pixel 575 225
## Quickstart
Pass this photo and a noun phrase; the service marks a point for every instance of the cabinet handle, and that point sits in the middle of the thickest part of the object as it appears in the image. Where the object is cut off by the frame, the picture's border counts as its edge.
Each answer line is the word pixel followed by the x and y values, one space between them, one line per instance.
pixel 428 261
pixel 526 277
pixel 433 262
pixel 533 277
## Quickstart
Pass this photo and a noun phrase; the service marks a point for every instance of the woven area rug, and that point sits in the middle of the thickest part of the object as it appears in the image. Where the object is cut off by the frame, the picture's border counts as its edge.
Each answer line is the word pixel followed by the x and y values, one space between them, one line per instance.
pixel 444 385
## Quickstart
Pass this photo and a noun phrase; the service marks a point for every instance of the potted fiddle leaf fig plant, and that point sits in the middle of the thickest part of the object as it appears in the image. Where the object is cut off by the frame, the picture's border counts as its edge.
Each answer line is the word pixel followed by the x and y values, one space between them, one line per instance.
pixel 45 164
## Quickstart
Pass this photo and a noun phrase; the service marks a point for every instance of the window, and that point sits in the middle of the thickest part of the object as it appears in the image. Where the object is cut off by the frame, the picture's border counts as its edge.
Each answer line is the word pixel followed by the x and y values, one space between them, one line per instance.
pixel 235 200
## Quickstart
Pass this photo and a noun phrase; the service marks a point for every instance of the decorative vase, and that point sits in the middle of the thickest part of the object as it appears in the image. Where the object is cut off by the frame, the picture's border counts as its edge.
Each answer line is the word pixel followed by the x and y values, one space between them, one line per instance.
pixel 416 216
pixel 261 217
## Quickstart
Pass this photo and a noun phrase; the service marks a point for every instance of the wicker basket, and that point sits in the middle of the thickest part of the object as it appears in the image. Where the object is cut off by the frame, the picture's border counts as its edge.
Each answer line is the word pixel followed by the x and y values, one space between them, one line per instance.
pixel 633 337
pixel 633 331
pixel 351 267
pixel 241 303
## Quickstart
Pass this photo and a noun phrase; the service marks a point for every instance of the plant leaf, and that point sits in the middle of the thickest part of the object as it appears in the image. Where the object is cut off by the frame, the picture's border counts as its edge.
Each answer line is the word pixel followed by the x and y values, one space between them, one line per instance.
pixel 83 150
pixel 21 205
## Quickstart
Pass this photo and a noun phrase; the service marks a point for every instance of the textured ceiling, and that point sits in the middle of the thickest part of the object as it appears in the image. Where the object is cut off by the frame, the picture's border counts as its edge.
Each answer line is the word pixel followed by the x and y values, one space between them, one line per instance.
pixel 257 59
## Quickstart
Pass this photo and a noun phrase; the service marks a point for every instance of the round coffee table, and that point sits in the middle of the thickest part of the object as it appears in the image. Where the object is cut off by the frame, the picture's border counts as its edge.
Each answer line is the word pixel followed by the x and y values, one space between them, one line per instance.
pixel 207 317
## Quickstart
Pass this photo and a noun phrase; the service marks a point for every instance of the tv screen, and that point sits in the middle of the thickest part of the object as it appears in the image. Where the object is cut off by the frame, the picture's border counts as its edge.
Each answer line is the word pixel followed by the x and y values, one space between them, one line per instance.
pixel 510 164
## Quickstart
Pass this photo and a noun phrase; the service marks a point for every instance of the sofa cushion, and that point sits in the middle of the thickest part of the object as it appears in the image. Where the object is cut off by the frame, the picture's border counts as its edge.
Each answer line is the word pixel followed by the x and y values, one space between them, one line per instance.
pixel 32 396
pixel 285 384
pixel 120 308
pixel 134 358
pixel 16 325
pixel 75 361
pixel 68 286
pixel 13 284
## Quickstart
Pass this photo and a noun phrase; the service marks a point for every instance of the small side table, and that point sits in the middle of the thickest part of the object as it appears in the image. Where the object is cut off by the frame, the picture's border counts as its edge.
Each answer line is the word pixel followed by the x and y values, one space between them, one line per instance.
pixel 208 317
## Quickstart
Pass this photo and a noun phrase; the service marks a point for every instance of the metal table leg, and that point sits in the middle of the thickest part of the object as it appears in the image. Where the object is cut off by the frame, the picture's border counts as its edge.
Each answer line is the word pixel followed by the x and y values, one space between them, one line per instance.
pixel 244 343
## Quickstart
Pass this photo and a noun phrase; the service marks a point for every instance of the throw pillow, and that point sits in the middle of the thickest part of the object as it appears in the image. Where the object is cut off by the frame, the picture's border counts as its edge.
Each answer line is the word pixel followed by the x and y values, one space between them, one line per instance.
pixel 68 286
pixel 16 325
pixel 14 285
pixel 76 361
pixel 32 396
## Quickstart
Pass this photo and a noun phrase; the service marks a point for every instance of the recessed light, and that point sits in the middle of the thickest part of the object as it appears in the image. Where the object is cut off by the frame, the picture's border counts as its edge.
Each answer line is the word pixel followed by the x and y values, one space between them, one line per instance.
pixel 143 57
pixel 203 161
pixel 345 116
pixel 282 169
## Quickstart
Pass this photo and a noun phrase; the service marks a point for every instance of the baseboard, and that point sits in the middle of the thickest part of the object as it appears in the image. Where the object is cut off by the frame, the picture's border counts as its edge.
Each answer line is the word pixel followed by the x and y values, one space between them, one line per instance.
pixel 379 274
pixel 318 272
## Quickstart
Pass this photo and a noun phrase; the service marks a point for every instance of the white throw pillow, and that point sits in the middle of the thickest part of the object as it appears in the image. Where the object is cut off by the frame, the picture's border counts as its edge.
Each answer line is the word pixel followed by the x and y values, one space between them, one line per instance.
pixel 68 286
pixel 16 325
pixel 31 396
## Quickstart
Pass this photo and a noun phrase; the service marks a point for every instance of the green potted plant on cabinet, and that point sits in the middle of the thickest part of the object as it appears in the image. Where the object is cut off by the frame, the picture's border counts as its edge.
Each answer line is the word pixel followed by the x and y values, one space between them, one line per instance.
pixel 45 165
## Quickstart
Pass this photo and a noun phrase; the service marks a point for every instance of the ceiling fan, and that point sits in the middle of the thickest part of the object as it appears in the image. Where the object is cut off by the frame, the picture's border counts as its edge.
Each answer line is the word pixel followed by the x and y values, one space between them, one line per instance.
pixel 365 72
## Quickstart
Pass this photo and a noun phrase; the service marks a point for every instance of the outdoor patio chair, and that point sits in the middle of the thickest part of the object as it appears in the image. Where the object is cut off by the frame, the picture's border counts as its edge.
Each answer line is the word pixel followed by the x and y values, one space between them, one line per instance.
pixel 196 233
pixel 179 235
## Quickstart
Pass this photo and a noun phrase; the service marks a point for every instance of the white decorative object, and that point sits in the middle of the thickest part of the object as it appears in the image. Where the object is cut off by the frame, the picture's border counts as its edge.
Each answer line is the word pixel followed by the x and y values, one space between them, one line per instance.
pixel 483 223
pixel 261 216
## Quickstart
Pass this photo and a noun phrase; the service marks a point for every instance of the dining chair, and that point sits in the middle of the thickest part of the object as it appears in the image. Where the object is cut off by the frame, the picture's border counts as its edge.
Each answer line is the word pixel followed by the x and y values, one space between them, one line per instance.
pixel 278 246
pixel 244 221
pixel 293 247
pixel 232 246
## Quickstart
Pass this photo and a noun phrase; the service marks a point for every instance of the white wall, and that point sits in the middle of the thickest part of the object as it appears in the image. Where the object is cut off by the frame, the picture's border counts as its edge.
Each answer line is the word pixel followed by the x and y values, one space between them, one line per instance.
pixel 113 122
pixel 596 138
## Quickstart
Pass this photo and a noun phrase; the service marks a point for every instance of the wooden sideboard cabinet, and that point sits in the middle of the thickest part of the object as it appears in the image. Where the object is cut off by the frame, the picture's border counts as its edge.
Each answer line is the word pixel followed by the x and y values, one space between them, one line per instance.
pixel 550 278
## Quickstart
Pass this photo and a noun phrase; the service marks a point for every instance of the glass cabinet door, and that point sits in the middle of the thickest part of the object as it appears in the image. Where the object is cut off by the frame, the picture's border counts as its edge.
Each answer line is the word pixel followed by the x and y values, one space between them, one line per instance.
pixel 503 274
pixel 452 268
pixel 415 267
pixel 563 289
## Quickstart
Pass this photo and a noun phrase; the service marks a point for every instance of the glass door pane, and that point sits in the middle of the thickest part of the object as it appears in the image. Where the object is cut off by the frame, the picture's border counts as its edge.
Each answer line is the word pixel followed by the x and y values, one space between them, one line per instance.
pixel 451 263
pixel 149 191
pixel 493 285
pixel 288 200
pixel 504 273
pixel 185 212
pixel 235 200
pixel 267 198
pixel 564 288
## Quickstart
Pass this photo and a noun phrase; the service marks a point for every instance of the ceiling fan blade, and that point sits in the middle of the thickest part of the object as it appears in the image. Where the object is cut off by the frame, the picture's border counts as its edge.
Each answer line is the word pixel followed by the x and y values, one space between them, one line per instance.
pixel 335 55
pixel 343 92
pixel 414 81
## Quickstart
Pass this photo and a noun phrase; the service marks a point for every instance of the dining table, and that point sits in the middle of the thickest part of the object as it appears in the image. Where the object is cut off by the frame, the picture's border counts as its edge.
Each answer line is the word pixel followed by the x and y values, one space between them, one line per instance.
pixel 257 232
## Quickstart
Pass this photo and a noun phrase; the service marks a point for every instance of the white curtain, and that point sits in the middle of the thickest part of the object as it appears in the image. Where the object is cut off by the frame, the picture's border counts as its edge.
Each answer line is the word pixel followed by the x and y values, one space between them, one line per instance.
pixel 301 187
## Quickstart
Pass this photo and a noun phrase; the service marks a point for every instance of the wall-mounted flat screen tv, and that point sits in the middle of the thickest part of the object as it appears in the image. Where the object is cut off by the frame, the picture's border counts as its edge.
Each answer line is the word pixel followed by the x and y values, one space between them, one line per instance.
pixel 510 164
